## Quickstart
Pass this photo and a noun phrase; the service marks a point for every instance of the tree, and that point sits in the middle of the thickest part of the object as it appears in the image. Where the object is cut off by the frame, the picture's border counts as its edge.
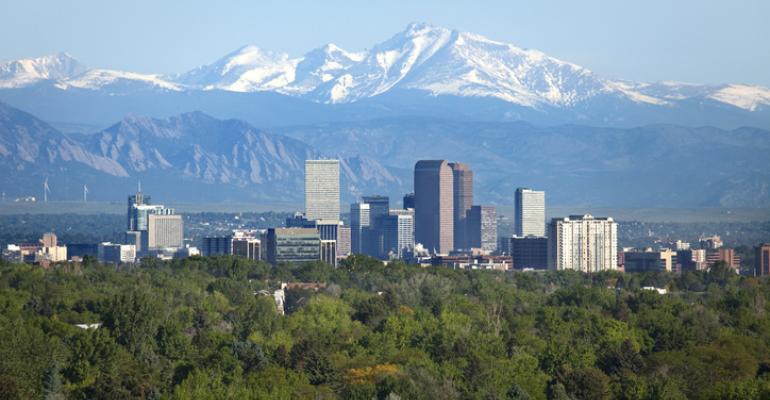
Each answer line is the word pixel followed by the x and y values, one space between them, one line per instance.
pixel 588 384
pixel 132 318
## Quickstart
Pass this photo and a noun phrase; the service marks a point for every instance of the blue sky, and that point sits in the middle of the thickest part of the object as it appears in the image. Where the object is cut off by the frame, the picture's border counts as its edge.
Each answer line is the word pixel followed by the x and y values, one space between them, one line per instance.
pixel 706 41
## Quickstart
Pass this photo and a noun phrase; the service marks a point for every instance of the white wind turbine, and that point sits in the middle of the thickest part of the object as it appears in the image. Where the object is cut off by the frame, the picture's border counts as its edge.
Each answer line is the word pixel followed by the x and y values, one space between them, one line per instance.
pixel 46 190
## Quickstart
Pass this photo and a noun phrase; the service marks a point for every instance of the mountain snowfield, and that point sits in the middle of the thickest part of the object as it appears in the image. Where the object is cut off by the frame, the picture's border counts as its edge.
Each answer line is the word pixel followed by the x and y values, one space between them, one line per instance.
pixel 433 60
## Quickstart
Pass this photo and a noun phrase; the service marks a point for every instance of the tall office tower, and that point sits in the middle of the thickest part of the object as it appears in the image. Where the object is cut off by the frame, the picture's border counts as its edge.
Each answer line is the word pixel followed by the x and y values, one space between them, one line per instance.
pixel 409 200
pixel 139 212
pixel 434 206
pixel 481 224
pixel 164 231
pixel 359 222
pixel 373 237
pixel 762 260
pixel 378 207
pixel 462 193
pixel 530 213
pixel 322 189
pixel 398 233
pixel 583 243
pixel 293 245
pixel 134 200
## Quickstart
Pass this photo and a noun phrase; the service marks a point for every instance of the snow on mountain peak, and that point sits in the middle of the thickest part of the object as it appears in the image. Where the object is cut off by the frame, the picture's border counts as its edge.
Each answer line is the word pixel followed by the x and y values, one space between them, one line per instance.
pixel 100 78
pixel 246 69
pixel 422 57
pixel 743 96
pixel 24 72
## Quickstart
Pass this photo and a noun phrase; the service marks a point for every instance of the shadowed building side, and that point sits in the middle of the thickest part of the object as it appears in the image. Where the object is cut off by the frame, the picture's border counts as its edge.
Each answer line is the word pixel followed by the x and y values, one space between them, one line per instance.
pixel 462 182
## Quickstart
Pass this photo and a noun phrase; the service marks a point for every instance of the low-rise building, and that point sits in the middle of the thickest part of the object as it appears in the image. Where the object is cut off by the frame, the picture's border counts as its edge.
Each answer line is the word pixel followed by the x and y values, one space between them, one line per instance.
pixel 473 261
pixel 649 261
pixel 726 255
pixel 113 253
pixel 529 252
pixel 293 245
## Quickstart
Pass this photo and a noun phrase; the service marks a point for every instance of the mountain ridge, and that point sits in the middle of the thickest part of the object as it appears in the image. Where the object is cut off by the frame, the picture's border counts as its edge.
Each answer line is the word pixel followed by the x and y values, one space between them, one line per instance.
pixel 191 155
pixel 433 60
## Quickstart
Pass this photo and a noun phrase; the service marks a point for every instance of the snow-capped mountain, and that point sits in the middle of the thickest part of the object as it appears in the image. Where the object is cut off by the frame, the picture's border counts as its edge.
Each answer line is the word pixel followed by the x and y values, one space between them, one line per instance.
pixel 319 67
pixel 433 62
pixel 247 69
pixel 25 72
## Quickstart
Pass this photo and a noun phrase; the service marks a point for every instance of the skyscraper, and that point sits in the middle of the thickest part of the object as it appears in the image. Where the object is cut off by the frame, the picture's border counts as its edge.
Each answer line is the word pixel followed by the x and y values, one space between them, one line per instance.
pixel 378 207
pixel 152 226
pixel 409 200
pixel 135 200
pixel 434 205
pixel 322 189
pixel 398 233
pixel 462 194
pixel 481 226
pixel 359 221
pixel 583 243
pixel 530 213
pixel 373 238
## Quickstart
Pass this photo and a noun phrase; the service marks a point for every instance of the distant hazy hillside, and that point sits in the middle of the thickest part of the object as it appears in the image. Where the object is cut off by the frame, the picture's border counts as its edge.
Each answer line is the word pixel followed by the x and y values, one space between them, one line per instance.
pixel 194 157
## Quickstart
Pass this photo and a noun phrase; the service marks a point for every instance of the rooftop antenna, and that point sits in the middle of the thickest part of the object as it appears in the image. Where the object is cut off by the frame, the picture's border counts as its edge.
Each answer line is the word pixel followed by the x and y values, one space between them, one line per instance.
pixel 85 193
pixel 46 190
pixel 139 186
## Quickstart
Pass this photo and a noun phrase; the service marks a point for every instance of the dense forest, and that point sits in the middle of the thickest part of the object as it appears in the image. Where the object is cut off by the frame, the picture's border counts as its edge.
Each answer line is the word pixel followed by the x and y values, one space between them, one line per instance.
pixel 202 328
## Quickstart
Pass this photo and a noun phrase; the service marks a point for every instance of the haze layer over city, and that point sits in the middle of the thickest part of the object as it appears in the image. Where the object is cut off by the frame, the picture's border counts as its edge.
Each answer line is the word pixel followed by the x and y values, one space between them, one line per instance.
pixel 385 200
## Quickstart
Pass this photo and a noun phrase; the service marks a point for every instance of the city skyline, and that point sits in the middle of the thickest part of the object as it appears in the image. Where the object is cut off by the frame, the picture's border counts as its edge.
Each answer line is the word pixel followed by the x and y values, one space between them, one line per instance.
pixel 384 200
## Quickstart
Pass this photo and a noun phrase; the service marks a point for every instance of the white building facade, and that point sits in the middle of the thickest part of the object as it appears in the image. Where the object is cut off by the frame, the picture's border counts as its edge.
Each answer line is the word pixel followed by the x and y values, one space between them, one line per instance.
pixel 583 243
pixel 530 213
pixel 322 189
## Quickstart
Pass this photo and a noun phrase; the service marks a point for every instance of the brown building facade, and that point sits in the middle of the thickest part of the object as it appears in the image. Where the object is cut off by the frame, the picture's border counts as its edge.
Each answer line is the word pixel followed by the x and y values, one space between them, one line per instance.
pixel 462 184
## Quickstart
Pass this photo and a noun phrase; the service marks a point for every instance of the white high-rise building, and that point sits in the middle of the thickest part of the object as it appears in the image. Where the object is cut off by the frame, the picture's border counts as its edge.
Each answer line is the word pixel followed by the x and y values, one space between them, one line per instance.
pixel 530 212
pixel 583 243
pixel 322 189
pixel 359 221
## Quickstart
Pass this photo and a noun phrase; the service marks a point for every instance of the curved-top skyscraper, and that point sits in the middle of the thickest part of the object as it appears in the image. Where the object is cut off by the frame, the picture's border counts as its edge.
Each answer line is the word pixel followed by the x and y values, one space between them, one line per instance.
pixel 434 205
